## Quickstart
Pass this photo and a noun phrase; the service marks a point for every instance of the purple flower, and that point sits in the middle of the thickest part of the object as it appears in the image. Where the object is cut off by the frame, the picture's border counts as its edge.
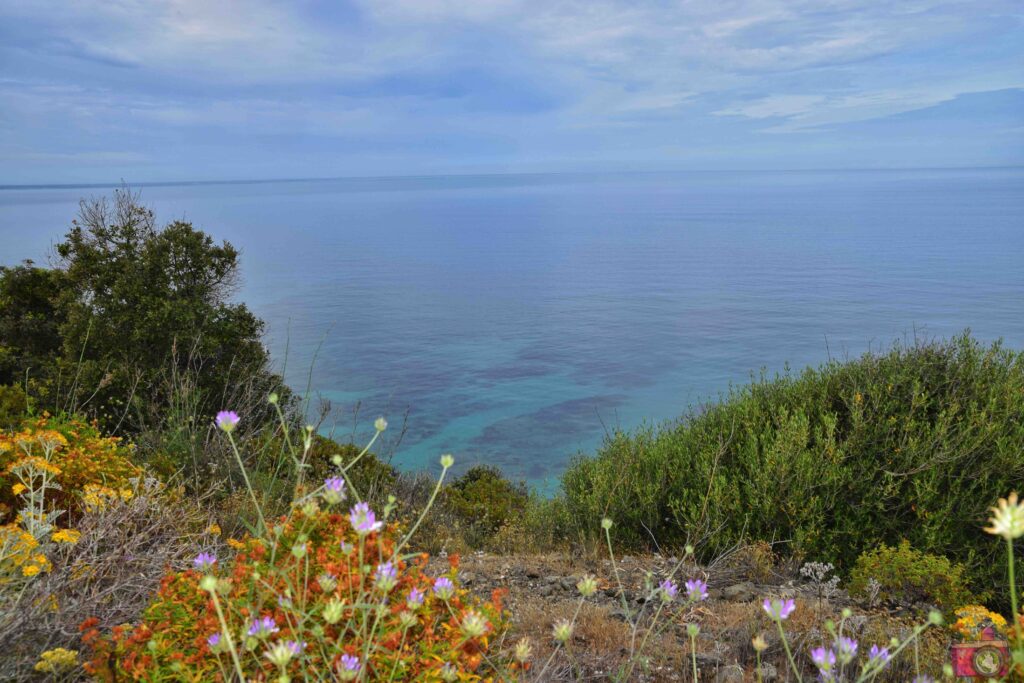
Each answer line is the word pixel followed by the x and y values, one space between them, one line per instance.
pixel 263 627
pixel 415 598
pixel 334 490
pixel 444 588
pixel 296 646
pixel 696 590
pixel 227 420
pixel 204 561
pixel 385 577
pixel 778 609
pixel 669 590
pixel 878 655
pixel 348 667
pixel 363 519
pixel 823 659
pixel 213 641
pixel 846 648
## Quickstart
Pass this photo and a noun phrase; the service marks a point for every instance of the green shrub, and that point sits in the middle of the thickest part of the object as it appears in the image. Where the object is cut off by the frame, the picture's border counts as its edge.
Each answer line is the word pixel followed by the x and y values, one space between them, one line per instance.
pixel 908 576
pixel 14 406
pixel 835 461
pixel 483 501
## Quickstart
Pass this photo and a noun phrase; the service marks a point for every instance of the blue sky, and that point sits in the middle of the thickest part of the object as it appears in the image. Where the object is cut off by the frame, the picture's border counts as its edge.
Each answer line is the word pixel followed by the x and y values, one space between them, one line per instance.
pixel 94 91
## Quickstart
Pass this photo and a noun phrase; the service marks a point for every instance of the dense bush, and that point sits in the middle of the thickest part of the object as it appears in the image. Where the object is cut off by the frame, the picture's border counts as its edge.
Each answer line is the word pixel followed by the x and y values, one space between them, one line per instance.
pixel 67 462
pixel 131 309
pixel 911 444
pixel 904 575
pixel 484 501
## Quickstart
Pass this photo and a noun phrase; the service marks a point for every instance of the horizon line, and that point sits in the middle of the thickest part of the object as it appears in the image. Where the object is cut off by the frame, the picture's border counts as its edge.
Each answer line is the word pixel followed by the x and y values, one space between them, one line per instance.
pixel 258 181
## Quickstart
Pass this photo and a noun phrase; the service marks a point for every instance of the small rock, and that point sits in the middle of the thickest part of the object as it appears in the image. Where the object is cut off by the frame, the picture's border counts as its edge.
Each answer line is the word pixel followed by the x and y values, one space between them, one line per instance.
pixel 545 591
pixel 532 574
pixel 467 578
pixel 568 583
pixel 768 671
pixel 740 592
pixel 730 674
pixel 551 579
pixel 709 660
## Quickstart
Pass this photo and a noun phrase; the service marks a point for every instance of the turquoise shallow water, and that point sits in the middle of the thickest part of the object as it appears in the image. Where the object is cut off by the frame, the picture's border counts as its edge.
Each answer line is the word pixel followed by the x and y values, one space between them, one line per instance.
pixel 514 319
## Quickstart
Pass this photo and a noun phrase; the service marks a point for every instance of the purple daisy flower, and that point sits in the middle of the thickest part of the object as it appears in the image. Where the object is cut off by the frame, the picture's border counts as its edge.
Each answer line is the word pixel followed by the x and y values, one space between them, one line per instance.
pixel 334 490
pixel 204 561
pixel 878 655
pixel 444 588
pixel 696 590
pixel 823 659
pixel 386 576
pixel 227 420
pixel 778 609
pixel 669 590
pixel 263 627
pixel 348 667
pixel 846 649
pixel 363 519
pixel 415 598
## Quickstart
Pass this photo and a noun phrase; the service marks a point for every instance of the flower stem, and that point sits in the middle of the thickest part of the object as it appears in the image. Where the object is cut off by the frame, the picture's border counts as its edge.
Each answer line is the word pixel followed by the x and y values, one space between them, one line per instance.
pixel 789 653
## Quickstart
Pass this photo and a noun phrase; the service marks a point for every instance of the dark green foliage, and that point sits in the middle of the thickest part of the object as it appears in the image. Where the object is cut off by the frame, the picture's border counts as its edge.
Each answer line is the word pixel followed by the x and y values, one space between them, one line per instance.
pixel 370 476
pixel 914 443
pixel 31 316
pixel 133 313
pixel 909 576
pixel 14 405
pixel 483 501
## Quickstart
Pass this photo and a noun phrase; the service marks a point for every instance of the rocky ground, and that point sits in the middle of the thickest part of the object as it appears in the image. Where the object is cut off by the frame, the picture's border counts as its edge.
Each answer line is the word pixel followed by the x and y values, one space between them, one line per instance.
pixel 610 630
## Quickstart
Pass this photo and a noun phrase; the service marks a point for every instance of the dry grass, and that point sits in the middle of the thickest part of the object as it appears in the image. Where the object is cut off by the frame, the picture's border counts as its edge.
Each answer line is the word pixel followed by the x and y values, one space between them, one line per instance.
pixel 110 574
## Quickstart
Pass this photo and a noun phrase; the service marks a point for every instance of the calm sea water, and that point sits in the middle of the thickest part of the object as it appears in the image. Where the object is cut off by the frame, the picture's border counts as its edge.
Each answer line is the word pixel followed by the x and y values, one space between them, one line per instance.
pixel 516 318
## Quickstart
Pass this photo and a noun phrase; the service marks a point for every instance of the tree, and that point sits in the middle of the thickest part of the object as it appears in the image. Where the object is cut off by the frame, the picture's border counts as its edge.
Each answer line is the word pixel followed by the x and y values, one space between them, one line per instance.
pixel 30 320
pixel 130 310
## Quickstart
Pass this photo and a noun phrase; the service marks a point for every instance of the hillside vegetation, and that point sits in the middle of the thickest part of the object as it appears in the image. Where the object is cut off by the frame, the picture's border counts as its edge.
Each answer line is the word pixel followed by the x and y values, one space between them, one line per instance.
pixel 913 444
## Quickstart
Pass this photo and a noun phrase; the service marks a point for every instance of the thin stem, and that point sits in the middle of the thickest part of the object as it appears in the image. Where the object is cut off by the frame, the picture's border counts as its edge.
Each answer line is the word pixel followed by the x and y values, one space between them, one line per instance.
pixel 693 658
pixel 789 654
pixel 1013 589
pixel 423 514
pixel 227 635
pixel 618 579
pixel 248 484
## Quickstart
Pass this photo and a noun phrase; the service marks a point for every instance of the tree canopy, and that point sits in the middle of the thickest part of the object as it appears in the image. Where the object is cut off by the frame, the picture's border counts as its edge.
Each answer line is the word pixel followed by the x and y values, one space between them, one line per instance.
pixel 130 314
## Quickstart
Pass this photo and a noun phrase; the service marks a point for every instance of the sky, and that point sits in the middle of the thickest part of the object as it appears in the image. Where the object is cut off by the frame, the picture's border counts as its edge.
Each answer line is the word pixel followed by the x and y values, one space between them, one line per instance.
pixel 165 90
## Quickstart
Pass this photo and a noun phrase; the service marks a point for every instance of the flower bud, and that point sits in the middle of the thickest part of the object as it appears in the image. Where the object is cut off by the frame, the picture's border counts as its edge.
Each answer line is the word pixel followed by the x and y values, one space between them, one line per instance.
pixel 692 630
pixel 606 524
pixel 562 630
pixel 587 586
pixel 523 650
pixel 380 424
pixel 333 611
pixel 447 460
pixel 759 643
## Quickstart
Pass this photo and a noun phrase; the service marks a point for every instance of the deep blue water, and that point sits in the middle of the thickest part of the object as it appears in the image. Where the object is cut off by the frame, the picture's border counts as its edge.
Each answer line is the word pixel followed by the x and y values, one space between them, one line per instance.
pixel 516 318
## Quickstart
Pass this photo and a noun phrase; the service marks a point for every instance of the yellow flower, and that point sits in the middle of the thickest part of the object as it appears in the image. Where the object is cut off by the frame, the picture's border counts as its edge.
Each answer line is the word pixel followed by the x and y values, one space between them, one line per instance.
pixel 213 529
pixel 18 488
pixel 236 544
pixel 58 660
pixel 1008 518
pixel 66 536
pixel 30 570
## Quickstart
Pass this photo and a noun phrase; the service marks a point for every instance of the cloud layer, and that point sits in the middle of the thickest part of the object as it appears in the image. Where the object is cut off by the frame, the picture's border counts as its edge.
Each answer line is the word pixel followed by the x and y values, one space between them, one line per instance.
pixel 155 90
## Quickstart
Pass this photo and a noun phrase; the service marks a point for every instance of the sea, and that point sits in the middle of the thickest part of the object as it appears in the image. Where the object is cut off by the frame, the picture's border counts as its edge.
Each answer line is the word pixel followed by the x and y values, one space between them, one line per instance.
pixel 515 320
